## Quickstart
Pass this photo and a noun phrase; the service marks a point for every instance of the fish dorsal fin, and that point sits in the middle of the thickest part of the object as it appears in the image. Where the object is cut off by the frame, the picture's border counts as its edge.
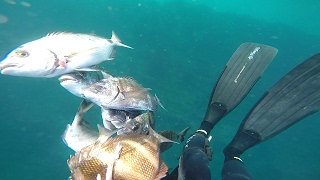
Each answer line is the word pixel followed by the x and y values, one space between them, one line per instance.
pixel 55 33
pixel 163 169
pixel 129 78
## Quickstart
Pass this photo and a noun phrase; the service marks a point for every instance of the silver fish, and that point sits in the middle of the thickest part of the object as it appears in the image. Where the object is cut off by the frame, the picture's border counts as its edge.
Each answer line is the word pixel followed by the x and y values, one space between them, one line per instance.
pixel 80 134
pixel 76 81
pixel 59 53
pixel 133 157
pixel 122 93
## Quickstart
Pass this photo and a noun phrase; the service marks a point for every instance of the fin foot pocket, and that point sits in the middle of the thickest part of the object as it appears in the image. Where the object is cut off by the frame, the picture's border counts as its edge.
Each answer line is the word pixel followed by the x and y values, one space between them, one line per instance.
pixel 241 143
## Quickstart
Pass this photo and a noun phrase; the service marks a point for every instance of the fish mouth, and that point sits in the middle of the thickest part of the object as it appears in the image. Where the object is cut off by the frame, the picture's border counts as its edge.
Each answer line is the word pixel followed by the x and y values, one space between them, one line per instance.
pixel 4 67
pixel 66 78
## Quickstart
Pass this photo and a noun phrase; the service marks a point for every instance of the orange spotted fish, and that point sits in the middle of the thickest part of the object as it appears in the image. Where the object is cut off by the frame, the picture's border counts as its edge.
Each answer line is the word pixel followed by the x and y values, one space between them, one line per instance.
pixel 123 157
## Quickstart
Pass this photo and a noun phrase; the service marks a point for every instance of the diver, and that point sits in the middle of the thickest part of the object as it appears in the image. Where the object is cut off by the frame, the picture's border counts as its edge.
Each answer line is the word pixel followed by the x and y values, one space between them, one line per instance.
pixel 294 97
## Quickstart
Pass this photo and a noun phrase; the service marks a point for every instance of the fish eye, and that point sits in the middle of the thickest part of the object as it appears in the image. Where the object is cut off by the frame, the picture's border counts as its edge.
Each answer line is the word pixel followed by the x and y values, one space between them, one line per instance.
pixel 22 53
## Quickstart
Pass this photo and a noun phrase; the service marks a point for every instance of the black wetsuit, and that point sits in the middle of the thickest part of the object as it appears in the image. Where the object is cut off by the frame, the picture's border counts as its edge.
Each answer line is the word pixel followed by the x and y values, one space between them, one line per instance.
pixel 196 163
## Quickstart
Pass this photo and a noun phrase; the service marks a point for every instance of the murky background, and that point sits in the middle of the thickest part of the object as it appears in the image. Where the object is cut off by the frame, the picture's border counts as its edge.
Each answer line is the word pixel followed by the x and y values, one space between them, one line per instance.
pixel 180 48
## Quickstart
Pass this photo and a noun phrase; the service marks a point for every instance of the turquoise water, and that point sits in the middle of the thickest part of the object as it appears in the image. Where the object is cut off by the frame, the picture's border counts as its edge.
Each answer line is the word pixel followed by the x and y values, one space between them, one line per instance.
pixel 180 49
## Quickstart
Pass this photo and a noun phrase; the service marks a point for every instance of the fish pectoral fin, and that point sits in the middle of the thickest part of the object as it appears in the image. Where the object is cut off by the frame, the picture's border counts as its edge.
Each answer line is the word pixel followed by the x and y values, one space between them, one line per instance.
pixel 182 134
pixel 159 103
pixel 72 54
pixel 89 69
pixel 114 157
pixel 132 94
pixel 113 54
pixel 163 169
pixel 117 151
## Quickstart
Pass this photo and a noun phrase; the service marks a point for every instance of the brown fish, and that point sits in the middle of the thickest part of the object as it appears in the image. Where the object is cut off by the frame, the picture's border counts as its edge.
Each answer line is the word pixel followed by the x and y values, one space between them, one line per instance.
pixel 133 156
pixel 140 124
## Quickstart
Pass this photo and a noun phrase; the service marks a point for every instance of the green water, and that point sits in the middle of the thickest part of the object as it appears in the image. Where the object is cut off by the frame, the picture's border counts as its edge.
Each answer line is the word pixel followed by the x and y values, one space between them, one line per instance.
pixel 180 48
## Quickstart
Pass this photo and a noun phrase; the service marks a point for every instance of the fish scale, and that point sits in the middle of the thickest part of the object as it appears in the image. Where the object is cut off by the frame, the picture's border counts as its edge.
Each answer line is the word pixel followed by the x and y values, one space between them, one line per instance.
pixel 139 158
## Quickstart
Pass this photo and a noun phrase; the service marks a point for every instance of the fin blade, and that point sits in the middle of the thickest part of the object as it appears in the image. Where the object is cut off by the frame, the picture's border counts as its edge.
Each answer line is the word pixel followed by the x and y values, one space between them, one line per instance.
pixel 292 98
pixel 241 73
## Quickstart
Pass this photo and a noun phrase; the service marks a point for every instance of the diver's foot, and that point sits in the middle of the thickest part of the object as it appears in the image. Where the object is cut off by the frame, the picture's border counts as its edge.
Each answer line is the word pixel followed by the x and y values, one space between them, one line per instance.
pixel 199 140
pixel 231 153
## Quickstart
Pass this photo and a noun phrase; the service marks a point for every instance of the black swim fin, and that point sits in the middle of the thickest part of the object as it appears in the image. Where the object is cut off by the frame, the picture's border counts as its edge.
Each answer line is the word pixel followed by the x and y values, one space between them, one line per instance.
pixel 242 71
pixel 292 98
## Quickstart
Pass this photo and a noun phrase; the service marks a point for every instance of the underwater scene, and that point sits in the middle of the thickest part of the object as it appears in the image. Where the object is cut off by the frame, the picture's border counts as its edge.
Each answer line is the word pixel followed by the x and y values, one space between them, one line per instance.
pixel 180 48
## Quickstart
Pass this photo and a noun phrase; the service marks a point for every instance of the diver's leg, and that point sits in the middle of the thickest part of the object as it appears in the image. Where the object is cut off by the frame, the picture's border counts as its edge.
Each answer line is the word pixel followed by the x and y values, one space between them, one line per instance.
pixel 235 170
pixel 242 71
pixel 194 161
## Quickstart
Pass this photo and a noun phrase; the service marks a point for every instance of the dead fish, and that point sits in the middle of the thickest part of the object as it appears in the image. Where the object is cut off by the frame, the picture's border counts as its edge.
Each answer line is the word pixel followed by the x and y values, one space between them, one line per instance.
pixel 118 118
pixel 172 135
pixel 138 158
pixel 122 93
pixel 76 81
pixel 80 133
pixel 59 53
pixel 139 125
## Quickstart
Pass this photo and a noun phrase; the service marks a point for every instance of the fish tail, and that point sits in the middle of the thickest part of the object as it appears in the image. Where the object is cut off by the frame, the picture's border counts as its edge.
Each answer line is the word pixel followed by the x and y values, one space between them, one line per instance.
pixel 117 40
pixel 85 106
pixel 82 110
